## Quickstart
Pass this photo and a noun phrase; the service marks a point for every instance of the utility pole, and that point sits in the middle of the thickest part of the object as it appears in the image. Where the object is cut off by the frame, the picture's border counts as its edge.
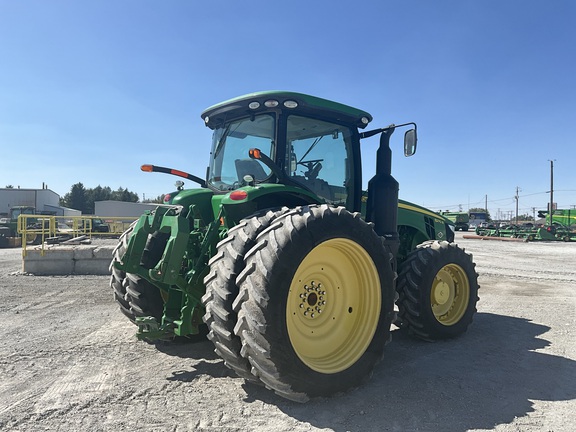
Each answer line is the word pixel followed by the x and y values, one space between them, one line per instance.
pixel 551 209
pixel 517 189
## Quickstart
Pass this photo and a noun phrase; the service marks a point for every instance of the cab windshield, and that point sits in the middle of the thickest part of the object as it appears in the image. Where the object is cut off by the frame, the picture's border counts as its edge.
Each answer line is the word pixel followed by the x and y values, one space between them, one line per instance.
pixel 229 161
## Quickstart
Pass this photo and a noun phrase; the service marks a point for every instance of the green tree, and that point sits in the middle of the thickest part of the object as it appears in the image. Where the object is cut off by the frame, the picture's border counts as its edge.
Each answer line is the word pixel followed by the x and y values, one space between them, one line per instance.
pixel 124 195
pixel 158 200
pixel 99 193
pixel 83 199
pixel 77 198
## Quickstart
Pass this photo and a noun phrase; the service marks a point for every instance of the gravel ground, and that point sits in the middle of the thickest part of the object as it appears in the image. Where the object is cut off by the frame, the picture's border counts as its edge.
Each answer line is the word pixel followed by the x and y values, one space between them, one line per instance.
pixel 70 361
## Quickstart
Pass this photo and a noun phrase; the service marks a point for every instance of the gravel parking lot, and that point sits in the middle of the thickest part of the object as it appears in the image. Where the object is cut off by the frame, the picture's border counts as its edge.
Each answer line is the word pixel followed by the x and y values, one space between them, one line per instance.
pixel 69 361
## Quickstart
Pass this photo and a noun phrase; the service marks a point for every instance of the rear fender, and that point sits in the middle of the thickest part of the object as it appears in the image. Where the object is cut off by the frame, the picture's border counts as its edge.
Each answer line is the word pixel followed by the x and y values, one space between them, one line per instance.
pixel 247 200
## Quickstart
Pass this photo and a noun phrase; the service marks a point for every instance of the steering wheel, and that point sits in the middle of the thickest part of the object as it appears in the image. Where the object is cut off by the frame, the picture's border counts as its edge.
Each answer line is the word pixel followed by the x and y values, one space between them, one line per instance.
pixel 313 168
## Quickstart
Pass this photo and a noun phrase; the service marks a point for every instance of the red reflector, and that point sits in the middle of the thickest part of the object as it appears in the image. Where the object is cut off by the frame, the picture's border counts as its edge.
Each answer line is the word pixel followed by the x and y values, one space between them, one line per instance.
pixel 166 197
pixel 179 173
pixel 238 195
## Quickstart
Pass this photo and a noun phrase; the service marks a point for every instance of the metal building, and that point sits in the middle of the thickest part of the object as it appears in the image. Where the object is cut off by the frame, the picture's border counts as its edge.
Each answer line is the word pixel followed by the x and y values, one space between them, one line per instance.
pixel 43 200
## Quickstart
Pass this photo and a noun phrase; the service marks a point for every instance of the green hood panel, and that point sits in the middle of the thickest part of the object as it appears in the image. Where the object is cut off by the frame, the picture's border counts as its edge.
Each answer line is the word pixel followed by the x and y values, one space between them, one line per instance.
pixel 200 198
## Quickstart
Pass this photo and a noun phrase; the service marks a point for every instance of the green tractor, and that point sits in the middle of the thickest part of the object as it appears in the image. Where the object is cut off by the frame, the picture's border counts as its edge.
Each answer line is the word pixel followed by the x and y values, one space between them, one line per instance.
pixel 289 266
pixel 9 233
pixel 461 220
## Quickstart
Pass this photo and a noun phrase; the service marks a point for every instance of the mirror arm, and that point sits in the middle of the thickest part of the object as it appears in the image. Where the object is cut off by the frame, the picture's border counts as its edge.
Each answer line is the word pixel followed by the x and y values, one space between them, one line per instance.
pixel 373 132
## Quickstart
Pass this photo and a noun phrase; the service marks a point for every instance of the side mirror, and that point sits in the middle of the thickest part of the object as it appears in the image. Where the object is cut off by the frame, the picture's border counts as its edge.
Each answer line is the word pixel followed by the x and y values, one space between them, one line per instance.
pixel 410 140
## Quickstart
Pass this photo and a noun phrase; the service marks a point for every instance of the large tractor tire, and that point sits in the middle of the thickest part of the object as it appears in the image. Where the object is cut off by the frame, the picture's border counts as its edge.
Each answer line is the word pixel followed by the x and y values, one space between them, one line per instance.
pixel 221 289
pixel 438 291
pixel 316 302
pixel 135 295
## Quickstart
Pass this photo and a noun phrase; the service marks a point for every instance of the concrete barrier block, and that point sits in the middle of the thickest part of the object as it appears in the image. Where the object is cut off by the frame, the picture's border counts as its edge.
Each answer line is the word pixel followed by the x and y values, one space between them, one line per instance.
pixel 53 262
pixel 83 253
pixel 69 260
pixel 104 252
pixel 92 267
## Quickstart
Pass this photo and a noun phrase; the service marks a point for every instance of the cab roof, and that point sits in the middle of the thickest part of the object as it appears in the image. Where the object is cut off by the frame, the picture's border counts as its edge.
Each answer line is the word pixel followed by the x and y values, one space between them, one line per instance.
pixel 299 103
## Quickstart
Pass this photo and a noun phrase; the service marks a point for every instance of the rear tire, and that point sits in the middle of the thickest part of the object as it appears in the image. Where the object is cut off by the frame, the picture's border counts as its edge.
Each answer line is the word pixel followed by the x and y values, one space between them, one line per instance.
pixel 316 302
pixel 221 289
pixel 438 291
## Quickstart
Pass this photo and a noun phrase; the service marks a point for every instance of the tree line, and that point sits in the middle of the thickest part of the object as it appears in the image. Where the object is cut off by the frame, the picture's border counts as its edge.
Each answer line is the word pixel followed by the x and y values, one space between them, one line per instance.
pixel 83 199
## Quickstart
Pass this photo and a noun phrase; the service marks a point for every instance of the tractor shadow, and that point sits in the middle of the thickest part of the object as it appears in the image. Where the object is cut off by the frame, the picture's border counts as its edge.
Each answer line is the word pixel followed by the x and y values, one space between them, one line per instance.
pixel 485 378
pixel 200 351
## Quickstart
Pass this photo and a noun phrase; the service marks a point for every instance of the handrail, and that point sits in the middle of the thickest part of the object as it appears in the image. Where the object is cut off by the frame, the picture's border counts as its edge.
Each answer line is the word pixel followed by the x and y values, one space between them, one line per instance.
pixel 36 229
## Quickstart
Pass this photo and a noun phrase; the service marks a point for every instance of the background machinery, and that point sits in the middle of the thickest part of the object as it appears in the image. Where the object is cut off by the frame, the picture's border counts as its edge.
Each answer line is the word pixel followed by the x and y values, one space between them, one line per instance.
pixel 460 220
pixel 9 235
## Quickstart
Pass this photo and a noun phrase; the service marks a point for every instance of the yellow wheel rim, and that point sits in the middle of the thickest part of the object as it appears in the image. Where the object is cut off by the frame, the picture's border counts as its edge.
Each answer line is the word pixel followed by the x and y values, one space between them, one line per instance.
pixel 333 305
pixel 450 294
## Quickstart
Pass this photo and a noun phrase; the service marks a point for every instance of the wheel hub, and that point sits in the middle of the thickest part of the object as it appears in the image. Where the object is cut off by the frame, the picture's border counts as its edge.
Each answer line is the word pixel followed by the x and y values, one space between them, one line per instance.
pixel 450 294
pixel 441 293
pixel 313 299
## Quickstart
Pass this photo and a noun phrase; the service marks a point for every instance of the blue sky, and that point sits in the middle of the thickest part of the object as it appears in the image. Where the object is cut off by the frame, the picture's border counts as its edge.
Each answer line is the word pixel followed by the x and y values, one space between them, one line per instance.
pixel 91 90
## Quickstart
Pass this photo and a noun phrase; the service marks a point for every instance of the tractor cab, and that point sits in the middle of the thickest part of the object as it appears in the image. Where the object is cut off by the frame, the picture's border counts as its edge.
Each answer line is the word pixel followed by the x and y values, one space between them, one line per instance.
pixel 306 142
pixel 301 141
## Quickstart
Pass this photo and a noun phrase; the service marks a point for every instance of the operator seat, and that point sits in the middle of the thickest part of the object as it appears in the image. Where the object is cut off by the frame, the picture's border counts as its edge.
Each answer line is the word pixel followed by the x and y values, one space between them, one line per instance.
pixel 250 167
pixel 319 186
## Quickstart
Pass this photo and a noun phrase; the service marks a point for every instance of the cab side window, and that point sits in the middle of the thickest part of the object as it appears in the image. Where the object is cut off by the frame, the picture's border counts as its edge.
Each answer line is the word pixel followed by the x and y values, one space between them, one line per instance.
pixel 319 155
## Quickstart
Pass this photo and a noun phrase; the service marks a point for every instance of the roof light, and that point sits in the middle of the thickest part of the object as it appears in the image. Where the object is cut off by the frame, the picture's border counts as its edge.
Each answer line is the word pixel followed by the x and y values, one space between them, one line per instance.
pixel 365 120
pixel 271 103
pixel 254 105
pixel 206 119
pixel 290 104
pixel 238 195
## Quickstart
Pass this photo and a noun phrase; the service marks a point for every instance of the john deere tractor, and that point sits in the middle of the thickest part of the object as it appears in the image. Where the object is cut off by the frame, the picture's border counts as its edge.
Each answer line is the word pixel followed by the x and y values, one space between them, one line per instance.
pixel 293 270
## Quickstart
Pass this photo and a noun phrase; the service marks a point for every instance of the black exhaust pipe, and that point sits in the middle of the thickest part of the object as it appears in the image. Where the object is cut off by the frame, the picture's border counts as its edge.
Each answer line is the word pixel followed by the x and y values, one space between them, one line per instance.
pixel 382 204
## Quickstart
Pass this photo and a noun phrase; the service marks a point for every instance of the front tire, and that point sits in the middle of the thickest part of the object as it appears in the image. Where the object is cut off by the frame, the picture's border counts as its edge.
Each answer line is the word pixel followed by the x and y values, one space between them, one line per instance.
pixel 438 291
pixel 136 296
pixel 316 302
